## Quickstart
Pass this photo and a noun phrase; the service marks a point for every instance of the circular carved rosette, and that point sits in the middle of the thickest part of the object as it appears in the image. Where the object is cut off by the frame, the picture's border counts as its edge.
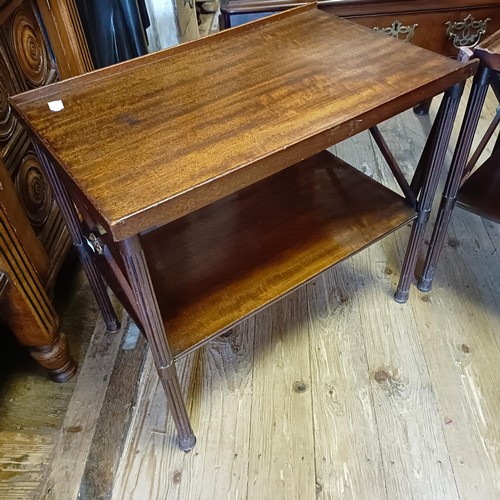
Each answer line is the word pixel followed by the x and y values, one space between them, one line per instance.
pixel 7 88
pixel 34 191
pixel 29 48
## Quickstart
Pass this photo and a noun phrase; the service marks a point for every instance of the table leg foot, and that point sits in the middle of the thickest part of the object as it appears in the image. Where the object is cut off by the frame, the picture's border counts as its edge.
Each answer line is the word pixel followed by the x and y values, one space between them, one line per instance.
pixel 424 285
pixel 170 382
pixel 407 270
pixel 55 359
pixel 187 444
pixel 401 296
pixel 113 326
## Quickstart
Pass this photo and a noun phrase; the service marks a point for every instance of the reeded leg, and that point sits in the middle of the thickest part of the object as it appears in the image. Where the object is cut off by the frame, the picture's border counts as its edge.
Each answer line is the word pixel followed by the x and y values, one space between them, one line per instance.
pixel 99 288
pixel 71 218
pixel 425 158
pixel 440 137
pixel 152 325
pixel 476 100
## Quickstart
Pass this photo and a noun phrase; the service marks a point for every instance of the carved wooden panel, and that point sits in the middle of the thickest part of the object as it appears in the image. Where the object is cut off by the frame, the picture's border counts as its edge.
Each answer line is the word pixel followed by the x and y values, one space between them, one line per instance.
pixel 40 239
pixel 9 127
pixel 29 49
pixel 26 62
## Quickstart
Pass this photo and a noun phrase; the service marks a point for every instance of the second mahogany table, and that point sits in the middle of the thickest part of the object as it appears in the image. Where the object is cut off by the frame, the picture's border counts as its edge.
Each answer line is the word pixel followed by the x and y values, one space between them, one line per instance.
pixel 474 189
pixel 199 209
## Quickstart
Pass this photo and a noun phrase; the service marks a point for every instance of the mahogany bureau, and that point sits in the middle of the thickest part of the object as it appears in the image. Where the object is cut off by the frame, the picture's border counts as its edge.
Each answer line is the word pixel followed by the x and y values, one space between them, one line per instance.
pixel 438 25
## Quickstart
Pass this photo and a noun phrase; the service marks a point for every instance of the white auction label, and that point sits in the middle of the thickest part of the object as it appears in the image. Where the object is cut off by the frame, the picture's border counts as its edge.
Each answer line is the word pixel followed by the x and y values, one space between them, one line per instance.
pixel 56 105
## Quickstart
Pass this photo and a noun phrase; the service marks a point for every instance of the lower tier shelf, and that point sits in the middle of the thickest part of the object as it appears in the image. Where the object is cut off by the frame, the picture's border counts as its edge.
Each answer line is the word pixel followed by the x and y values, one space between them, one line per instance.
pixel 480 192
pixel 226 261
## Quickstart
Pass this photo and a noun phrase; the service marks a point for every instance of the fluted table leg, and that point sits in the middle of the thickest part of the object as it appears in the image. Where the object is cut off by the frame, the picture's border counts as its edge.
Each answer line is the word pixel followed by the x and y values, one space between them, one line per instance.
pixel 464 143
pixel 152 326
pixel 72 222
pixel 440 137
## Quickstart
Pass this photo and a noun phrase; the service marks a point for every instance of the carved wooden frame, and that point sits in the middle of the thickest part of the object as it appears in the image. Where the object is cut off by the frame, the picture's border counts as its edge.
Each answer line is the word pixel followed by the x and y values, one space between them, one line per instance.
pixel 65 33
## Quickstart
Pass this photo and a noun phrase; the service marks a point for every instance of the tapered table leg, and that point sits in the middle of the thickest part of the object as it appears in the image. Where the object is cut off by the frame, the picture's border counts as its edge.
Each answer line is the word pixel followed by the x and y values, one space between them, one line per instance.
pixel 152 326
pixel 464 143
pixel 440 137
pixel 71 218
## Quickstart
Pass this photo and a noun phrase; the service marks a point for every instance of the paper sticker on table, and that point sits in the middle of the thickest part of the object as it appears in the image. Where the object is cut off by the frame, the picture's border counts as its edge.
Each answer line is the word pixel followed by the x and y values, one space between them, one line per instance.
pixel 56 105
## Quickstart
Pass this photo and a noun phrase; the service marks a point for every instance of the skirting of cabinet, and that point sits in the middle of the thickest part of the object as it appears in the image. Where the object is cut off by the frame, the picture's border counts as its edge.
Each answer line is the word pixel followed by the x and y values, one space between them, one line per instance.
pixel 430 28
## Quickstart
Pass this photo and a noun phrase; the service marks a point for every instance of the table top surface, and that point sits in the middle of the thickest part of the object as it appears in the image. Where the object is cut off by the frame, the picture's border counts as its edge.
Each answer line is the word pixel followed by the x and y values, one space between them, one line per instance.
pixel 152 139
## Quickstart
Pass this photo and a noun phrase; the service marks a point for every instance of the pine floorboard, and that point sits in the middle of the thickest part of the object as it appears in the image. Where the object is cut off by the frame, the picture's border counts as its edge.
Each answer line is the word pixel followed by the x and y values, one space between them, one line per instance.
pixel 32 408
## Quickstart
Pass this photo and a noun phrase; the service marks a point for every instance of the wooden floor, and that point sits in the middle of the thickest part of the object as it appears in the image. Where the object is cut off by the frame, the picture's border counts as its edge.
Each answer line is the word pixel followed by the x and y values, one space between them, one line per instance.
pixel 335 392
pixel 32 408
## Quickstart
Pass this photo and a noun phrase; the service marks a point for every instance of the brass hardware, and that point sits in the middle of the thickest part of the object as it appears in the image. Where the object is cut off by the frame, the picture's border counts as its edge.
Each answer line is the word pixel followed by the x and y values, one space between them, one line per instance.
pixel 96 244
pixel 396 29
pixel 466 33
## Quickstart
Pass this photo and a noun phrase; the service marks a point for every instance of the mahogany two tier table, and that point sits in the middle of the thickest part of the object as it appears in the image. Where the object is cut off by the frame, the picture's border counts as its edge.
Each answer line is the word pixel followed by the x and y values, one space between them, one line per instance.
pixel 199 209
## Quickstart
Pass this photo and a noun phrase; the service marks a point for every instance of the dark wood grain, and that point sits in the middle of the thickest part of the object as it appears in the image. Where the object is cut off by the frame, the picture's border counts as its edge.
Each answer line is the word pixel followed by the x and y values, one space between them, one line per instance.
pixel 145 146
pixel 39 240
pixel 9 202
pixel 226 261
pixel 137 146
pixel 26 63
